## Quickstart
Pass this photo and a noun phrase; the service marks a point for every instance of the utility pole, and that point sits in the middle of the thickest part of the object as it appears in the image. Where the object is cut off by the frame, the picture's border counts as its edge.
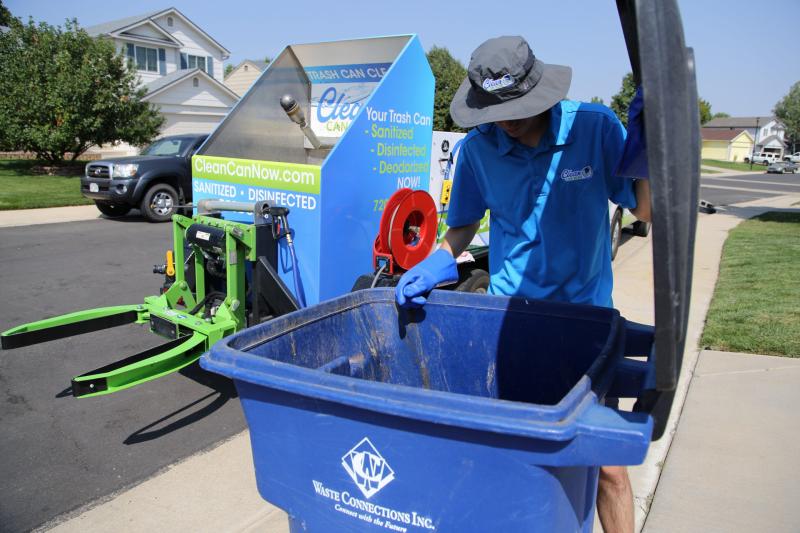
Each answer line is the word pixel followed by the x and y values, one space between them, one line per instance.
pixel 755 141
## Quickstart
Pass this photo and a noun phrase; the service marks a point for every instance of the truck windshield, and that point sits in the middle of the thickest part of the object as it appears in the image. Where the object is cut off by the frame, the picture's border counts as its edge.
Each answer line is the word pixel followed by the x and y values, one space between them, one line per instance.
pixel 168 146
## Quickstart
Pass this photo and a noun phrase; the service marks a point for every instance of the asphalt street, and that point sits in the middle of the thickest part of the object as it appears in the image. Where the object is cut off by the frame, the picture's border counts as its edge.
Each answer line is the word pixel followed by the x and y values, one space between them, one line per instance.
pixel 58 453
pixel 727 190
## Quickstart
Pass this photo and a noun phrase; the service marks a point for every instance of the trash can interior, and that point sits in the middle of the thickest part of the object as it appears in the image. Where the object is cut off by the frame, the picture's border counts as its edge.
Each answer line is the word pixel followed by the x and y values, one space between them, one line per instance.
pixel 502 348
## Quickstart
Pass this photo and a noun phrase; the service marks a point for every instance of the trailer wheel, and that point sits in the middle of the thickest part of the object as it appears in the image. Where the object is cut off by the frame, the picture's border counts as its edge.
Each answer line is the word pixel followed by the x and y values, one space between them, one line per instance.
pixel 477 281
pixel 159 203
pixel 112 210
pixel 616 232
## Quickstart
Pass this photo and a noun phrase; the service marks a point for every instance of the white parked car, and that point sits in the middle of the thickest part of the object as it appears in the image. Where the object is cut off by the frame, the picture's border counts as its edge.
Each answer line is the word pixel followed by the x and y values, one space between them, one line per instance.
pixel 794 158
pixel 763 158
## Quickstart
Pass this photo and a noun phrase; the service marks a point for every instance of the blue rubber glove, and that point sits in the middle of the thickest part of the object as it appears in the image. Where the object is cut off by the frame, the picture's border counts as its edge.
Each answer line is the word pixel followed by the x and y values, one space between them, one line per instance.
pixel 414 286
pixel 633 163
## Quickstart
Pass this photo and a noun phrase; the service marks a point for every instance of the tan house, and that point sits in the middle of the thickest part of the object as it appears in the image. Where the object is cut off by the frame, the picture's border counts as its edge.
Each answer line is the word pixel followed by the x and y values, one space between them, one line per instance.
pixel 242 77
pixel 769 133
pixel 726 144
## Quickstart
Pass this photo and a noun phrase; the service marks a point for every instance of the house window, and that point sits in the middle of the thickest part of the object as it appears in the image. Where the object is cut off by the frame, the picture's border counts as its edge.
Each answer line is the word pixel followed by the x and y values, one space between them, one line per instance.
pixel 197 61
pixel 189 61
pixel 195 82
pixel 144 58
pixel 169 21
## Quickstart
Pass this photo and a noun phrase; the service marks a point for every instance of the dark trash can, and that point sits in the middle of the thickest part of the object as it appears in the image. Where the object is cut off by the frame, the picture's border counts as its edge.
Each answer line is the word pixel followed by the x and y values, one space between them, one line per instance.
pixel 476 413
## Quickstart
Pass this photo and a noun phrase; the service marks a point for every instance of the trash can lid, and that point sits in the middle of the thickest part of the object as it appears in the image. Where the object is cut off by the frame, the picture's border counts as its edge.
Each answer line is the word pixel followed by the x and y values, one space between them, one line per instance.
pixel 665 68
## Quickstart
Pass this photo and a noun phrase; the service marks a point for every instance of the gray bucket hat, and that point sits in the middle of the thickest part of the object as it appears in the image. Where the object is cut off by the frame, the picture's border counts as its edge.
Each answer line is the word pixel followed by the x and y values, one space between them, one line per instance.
pixel 505 81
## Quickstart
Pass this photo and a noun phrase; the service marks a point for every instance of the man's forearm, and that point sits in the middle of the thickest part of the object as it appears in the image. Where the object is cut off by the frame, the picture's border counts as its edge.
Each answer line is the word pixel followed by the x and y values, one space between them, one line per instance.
pixel 642 211
pixel 457 239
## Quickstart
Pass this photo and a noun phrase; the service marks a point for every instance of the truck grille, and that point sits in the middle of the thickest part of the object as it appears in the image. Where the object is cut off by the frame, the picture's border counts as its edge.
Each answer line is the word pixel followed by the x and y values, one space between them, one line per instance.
pixel 98 171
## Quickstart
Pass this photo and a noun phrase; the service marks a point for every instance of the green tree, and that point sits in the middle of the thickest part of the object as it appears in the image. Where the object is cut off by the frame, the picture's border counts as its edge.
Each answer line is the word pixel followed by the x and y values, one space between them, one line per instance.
pixel 720 115
pixel 228 69
pixel 622 100
pixel 449 73
pixel 64 91
pixel 596 100
pixel 788 111
pixel 5 15
pixel 705 110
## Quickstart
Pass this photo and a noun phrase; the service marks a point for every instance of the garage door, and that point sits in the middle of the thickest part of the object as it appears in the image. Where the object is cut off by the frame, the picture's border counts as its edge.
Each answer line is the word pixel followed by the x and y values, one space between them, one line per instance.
pixel 179 124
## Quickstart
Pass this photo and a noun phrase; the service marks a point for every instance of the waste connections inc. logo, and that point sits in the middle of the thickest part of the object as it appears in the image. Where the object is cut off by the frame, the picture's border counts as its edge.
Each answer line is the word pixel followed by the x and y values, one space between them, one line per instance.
pixel 368 469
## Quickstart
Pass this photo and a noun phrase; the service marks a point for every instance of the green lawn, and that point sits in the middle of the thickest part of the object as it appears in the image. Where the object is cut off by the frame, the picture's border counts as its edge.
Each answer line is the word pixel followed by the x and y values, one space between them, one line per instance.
pixel 734 166
pixel 756 304
pixel 21 189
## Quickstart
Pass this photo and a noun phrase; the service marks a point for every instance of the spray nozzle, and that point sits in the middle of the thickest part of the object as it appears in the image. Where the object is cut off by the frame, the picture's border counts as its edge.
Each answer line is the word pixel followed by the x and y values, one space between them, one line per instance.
pixel 293 110
pixel 296 115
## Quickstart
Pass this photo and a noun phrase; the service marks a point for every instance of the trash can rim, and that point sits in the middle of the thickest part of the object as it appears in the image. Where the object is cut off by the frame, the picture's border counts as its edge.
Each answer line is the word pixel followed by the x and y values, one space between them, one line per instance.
pixel 552 422
pixel 353 300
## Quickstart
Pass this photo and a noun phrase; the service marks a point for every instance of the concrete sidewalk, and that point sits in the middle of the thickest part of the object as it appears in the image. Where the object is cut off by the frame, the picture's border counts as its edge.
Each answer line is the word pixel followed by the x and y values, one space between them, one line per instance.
pixel 52 215
pixel 720 172
pixel 215 490
pixel 733 463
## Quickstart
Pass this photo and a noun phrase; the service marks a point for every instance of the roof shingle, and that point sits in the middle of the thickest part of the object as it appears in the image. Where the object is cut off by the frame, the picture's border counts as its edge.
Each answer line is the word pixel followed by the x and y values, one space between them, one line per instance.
pixel 717 134
pixel 108 27
pixel 738 122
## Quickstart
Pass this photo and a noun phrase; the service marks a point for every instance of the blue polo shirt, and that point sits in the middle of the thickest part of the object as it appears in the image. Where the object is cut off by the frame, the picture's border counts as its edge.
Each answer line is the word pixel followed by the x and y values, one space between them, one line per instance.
pixel 550 234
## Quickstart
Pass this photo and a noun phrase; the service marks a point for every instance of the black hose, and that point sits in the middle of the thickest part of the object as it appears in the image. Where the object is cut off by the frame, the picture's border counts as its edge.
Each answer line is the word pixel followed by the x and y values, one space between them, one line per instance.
pixel 204 301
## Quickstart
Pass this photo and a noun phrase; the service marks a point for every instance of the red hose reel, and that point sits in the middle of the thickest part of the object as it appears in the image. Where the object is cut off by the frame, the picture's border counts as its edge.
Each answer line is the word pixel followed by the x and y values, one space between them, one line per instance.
pixel 407 231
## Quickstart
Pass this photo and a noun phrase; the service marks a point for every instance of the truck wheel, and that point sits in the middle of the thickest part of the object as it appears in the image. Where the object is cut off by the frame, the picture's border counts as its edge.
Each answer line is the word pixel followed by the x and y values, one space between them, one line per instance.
pixel 616 232
pixel 641 228
pixel 159 203
pixel 477 281
pixel 112 210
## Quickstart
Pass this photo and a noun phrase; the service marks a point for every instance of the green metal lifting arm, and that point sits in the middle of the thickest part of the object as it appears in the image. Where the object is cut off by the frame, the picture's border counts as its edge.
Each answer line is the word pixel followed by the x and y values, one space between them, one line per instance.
pixel 60 327
pixel 176 314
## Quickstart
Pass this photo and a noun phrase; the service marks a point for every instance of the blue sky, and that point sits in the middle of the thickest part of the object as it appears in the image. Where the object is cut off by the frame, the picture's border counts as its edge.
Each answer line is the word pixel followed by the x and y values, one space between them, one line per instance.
pixel 746 52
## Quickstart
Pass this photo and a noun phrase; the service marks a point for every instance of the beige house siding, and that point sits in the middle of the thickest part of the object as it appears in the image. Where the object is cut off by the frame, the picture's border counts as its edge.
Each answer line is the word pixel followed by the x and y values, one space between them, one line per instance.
pixel 736 149
pixel 740 147
pixel 715 150
pixel 240 80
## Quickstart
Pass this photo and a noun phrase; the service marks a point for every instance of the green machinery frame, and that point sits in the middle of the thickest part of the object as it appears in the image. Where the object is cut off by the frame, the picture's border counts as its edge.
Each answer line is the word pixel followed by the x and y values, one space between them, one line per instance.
pixel 180 313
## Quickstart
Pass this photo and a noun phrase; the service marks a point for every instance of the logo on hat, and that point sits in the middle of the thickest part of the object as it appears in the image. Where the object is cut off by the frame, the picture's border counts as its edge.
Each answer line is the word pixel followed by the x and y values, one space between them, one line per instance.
pixel 492 85
pixel 367 468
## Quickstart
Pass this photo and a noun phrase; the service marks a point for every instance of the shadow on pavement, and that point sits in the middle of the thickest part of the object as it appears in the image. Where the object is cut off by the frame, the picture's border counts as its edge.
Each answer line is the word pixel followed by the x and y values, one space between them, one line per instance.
pixel 223 389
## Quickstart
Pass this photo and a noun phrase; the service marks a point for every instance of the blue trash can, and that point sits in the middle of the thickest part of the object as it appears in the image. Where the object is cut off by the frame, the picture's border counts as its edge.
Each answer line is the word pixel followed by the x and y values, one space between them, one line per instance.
pixel 475 413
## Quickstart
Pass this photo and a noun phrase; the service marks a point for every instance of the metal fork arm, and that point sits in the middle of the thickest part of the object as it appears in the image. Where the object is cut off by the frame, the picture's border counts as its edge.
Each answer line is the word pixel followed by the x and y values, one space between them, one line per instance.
pixel 71 324
pixel 144 366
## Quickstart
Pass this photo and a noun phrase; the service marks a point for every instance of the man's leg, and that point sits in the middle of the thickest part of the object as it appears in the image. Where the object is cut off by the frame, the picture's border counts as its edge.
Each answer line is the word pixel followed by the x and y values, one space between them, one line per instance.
pixel 615 500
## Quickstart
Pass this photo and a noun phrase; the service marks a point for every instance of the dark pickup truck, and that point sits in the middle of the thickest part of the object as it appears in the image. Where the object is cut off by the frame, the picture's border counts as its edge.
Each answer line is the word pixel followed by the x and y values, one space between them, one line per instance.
pixel 156 181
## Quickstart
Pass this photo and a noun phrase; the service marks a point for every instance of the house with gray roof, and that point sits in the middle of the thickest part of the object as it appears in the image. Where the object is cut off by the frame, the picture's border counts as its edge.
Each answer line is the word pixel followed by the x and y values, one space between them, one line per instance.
pixel 179 64
pixel 769 132
pixel 244 74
